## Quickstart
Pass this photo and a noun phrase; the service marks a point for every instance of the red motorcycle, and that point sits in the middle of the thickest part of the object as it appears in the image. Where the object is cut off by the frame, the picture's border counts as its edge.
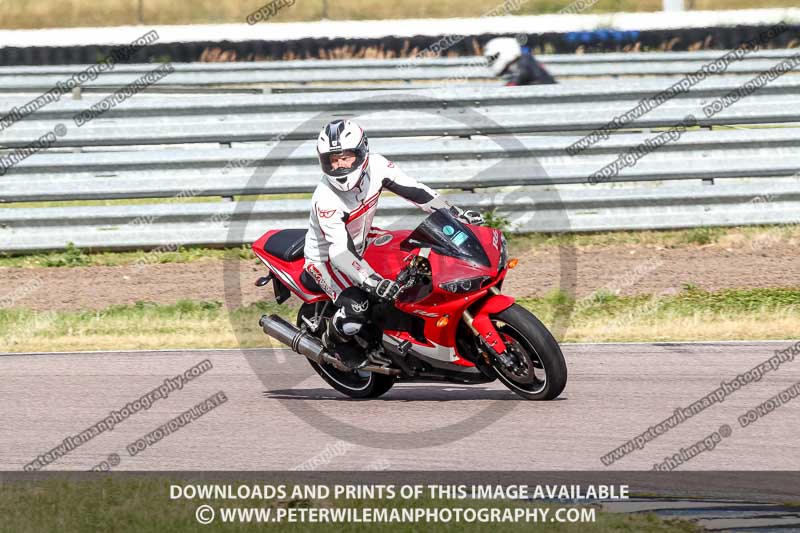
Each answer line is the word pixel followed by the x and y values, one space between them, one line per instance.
pixel 449 321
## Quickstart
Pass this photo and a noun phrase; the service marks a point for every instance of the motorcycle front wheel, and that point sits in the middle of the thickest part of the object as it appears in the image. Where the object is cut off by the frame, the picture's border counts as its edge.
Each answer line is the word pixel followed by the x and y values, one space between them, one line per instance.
pixel 542 372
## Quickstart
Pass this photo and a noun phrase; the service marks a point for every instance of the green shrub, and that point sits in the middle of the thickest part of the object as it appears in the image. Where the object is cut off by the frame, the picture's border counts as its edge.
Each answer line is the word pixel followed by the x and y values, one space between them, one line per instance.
pixel 493 220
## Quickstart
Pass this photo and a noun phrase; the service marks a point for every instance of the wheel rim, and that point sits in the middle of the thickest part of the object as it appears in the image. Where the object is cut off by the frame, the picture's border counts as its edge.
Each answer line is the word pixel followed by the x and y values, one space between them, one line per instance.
pixel 355 380
pixel 533 378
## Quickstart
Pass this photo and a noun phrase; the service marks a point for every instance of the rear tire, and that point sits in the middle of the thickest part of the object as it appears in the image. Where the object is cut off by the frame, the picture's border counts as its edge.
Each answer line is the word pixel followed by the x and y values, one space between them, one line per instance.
pixel 535 348
pixel 355 384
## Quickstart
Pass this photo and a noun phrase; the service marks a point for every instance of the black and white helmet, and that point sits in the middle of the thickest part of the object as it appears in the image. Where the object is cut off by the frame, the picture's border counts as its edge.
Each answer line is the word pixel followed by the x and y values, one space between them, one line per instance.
pixel 500 52
pixel 335 138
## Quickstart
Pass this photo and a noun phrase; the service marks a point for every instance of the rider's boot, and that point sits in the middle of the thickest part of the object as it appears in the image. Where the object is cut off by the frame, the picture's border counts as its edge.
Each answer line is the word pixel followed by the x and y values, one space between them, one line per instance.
pixel 342 346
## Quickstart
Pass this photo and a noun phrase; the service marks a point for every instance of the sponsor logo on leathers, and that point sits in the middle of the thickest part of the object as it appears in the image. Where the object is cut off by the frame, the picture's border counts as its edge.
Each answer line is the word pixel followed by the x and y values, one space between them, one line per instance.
pixel 317 275
pixel 360 307
pixel 325 213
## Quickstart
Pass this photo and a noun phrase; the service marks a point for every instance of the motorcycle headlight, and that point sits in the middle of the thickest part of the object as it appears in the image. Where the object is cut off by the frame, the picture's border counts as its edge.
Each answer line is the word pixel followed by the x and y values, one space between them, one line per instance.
pixel 463 285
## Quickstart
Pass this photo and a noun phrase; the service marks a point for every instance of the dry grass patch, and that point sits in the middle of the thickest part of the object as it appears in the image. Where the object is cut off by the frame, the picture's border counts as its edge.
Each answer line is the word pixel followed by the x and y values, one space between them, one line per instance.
pixel 765 325
pixel 75 13
pixel 753 314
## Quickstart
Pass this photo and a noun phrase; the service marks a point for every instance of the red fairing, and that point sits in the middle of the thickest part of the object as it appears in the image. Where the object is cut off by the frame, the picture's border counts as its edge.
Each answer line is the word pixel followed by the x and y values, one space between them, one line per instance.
pixel 387 259
pixel 288 272
pixel 383 253
pixel 494 304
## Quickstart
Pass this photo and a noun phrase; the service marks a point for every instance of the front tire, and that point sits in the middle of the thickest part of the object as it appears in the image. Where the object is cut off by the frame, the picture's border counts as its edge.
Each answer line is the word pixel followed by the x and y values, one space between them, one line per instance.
pixel 544 371
pixel 355 384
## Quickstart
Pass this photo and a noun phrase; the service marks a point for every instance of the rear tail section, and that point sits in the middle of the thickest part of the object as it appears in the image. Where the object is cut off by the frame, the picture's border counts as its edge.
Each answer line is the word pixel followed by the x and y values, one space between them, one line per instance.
pixel 282 253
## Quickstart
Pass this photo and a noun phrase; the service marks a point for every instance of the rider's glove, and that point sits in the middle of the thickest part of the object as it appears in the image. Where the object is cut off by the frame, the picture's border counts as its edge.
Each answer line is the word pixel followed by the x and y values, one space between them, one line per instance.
pixel 383 288
pixel 467 216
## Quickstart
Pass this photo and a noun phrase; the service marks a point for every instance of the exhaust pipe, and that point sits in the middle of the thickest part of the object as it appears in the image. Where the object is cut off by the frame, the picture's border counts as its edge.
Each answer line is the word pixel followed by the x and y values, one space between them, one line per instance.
pixel 306 344
pixel 299 341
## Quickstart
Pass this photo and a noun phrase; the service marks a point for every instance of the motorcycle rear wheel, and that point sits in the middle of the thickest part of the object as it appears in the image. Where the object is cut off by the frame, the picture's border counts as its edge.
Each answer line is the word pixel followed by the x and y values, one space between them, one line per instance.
pixel 355 384
pixel 544 371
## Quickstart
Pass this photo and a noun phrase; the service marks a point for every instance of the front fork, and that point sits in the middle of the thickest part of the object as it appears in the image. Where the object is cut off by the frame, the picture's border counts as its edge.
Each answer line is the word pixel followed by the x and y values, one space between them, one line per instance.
pixel 481 325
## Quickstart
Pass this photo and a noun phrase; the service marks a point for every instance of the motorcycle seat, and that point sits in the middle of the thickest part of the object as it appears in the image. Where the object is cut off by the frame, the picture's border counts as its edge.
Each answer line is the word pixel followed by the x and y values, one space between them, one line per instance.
pixel 287 244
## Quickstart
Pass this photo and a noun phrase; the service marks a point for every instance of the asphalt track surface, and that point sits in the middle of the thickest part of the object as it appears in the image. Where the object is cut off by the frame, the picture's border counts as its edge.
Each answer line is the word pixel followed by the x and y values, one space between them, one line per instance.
pixel 280 415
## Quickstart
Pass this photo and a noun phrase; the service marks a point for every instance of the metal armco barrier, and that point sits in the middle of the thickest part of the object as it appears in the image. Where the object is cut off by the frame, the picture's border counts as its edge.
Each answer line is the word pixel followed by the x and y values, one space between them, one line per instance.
pixel 439 118
pixel 215 224
pixel 428 70
pixel 148 104
pixel 422 62
pixel 476 163
pixel 479 139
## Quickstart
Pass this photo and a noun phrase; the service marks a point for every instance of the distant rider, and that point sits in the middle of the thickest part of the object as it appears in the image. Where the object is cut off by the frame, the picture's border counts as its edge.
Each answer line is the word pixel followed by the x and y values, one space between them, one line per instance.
pixel 515 63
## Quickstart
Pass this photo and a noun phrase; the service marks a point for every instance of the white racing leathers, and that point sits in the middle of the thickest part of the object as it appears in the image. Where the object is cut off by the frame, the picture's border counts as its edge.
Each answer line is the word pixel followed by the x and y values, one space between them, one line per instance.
pixel 340 223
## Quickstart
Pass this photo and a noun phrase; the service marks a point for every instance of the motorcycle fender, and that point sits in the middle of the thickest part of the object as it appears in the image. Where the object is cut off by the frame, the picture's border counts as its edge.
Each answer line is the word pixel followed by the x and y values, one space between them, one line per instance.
pixel 481 322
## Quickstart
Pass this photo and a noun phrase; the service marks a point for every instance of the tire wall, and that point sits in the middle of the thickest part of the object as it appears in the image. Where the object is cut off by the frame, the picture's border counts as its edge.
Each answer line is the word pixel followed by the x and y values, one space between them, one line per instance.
pixel 596 41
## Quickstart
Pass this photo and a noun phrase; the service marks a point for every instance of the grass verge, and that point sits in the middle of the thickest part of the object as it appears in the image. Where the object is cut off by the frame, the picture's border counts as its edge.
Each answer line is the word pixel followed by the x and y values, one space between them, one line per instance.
pixel 73 256
pixel 753 314
pixel 754 238
pixel 143 505
pixel 690 315
pixel 71 13
pixel 737 237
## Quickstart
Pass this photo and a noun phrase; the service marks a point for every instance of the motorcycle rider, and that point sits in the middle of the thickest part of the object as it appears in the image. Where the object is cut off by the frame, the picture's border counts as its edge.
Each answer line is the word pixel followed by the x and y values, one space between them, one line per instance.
pixel 515 63
pixel 340 227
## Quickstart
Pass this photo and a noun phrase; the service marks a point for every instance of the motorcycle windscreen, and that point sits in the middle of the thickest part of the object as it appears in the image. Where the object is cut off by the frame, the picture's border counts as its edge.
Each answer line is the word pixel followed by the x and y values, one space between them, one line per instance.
pixel 446 235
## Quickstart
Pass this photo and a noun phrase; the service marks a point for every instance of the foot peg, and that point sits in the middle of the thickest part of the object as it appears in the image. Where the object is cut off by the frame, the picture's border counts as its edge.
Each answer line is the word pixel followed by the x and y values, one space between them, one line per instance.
pixel 260 282
pixel 377 358
pixel 404 347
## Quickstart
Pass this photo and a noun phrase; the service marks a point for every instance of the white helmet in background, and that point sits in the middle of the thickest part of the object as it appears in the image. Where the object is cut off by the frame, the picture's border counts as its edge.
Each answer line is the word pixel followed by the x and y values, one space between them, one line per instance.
pixel 335 138
pixel 500 52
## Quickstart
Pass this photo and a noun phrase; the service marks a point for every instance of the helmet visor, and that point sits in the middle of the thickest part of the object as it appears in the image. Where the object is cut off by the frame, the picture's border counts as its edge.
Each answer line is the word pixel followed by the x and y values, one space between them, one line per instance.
pixel 357 155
